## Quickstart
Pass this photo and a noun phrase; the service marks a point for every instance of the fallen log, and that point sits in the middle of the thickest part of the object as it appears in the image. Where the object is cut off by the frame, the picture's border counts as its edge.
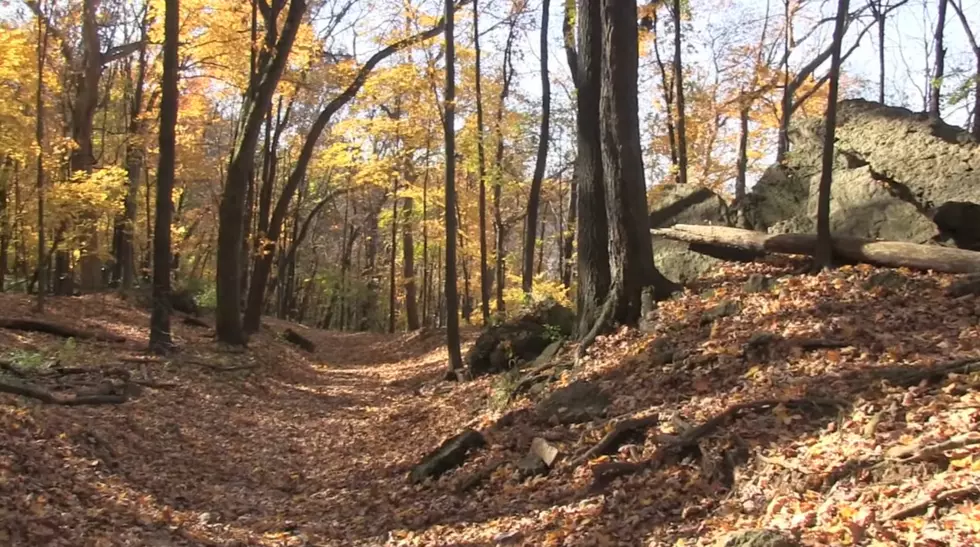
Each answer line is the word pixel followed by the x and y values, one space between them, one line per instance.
pixel 35 325
pixel 893 254
pixel 45 396
pixel 298 339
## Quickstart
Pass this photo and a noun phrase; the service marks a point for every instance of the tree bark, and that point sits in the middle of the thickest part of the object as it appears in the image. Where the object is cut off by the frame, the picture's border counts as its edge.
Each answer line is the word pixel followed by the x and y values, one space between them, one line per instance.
pixel 482 173
pixel 630 251
pixel 541 162
pixel 408 264
pixel 592 228
pixel 125 257
pixel 42 48
pixel 160 340
pixel 743 149
pixel 392 292
pixel 667 85
pixel 892 254
pixel 231 214
pixel 498 164
pixel 449 120
pixel 679 93
pixel 935 95
pixel 824 254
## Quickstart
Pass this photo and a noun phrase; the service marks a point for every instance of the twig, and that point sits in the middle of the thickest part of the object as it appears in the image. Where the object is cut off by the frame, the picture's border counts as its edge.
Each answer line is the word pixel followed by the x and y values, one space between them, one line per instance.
pixel 673 450
pixel 615 437
pixel 953 495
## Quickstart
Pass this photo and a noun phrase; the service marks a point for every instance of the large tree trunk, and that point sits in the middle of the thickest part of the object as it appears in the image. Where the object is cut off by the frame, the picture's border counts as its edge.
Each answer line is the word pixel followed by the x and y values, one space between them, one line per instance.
pixel 824 254
pixel 592 228
pixel 408 265
pixel 630 252
pixel 449 121
pixel 679 92
pixel 231 214
pixel 160 340
pixel 482 173
pixel 939 72
pixel 534 200
pixel 895 254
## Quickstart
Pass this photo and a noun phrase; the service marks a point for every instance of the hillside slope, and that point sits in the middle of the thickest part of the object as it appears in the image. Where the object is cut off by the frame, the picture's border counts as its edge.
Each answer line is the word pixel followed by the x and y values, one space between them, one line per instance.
pixel 840 408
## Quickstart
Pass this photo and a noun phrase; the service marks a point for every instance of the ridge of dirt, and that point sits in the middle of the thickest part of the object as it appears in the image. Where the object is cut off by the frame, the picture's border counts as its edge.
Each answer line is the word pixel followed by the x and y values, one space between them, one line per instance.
pixel 276 446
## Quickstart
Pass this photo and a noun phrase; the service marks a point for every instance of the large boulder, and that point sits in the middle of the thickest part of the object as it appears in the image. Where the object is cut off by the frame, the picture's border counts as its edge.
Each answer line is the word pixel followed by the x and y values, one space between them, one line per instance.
pixel 897 175
pixel 519 340
pixel 684 204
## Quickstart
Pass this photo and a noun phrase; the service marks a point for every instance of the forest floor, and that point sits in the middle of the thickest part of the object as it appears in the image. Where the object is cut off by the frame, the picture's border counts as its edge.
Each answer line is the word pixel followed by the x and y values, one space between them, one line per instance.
pixel 854 428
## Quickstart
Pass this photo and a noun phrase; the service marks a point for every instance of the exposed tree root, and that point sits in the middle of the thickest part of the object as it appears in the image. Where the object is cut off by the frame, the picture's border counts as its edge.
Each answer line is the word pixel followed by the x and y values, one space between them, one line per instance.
pixel 676 448
pixel 617 436
pixel 45 396
pixel 948 496
pixel 602 323
pixel 35 325
pixel 479 477
pixel 911 377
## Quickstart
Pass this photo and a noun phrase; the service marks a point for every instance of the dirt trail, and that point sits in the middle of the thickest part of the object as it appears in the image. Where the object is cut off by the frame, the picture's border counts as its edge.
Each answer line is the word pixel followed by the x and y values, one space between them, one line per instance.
pixel 299 449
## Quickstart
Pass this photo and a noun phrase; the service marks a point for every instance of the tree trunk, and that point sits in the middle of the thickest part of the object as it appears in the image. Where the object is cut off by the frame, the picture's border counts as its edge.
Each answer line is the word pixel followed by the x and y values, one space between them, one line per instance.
pixel 935 95
pixel 667 85
pixel 592 228
pixel 42 48
pixel 231 214
pixel 743 148
pixel 5 229
pixel 392 274
pixel 498 164
pixel 568 235
pixel 878 10
pixel 449 120
pixel 125 257
pixel 482 173
pixel 160 340
pixel 892 254
pixel 630 252
pixel 824 254
pixel 679 93
pixel 408 265
pixel 975 46
pixel 534 200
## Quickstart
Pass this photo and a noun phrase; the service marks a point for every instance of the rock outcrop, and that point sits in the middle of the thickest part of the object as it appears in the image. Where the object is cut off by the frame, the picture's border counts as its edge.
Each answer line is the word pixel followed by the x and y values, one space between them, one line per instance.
pixel 519 340
pixel 898 175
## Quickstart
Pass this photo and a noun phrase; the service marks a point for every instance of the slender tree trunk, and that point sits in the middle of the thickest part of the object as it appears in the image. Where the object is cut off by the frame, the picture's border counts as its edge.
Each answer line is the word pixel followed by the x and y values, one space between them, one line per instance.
pixel 452 314
pixel 160 340
pixel 679 93
pixel 498 163
pixel 482 173
pixel 42 49
pixel 667 85
pixel 786 104
pixel 541 248
pixel 879 12
pixel 592 229
pixel 534 200
pixel 392 273
pixel 5 227
pixel 743 148
pixel 975 46
pixel 426 290
pixel 568 235
pixel 824 254
pixel 935 95
pixel 134 167
pixel 408 265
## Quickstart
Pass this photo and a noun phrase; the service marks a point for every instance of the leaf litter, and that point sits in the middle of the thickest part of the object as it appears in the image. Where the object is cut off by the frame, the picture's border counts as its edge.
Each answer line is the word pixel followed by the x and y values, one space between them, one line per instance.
pixel 828 407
